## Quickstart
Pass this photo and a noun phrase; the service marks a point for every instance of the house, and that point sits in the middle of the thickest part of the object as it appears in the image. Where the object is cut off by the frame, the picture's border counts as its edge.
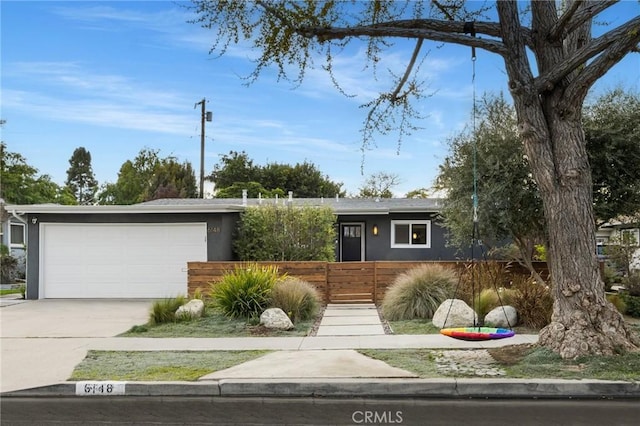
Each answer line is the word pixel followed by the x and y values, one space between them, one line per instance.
pixel 615 231
pixel 142 250
pixel 13 231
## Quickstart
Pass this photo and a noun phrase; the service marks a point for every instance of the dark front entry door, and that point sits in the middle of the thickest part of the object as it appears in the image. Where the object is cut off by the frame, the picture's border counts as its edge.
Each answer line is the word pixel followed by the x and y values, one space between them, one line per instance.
pixel 351 242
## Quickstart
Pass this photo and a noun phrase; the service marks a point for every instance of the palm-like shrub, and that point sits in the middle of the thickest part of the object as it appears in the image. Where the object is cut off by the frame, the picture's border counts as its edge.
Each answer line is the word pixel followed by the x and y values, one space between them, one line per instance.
pixel 164 311
pixel 418 292
pixel 297 298
pixel 245 292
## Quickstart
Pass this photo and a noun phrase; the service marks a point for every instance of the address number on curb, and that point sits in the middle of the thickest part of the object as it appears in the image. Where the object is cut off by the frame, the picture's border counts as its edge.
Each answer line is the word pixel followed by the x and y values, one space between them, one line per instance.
pixel 90 388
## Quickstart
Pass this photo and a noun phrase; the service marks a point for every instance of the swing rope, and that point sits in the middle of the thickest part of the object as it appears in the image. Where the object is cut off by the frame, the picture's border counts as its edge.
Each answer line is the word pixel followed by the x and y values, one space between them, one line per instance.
pixel 475 237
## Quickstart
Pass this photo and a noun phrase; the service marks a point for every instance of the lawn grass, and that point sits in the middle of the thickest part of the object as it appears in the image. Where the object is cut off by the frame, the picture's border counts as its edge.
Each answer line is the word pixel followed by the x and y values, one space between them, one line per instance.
pixel 214 324
pixel 157 365
pixel 528 362
pixel 10 291
pixel 414 326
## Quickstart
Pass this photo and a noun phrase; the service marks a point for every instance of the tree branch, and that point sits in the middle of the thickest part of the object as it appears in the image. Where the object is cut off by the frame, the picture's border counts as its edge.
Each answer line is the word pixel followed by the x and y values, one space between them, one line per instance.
pixel 560 26
pixel 407 72
pixel 625 36
pixel 573 17
pixel 449 35
pixel 603 63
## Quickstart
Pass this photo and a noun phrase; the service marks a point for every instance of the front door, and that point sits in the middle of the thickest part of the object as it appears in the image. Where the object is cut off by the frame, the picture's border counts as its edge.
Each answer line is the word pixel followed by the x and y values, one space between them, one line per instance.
pixel 351 242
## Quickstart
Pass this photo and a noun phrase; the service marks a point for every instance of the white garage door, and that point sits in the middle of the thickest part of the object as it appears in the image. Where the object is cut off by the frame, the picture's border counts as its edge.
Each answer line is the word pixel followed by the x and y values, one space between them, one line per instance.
pixel 118 260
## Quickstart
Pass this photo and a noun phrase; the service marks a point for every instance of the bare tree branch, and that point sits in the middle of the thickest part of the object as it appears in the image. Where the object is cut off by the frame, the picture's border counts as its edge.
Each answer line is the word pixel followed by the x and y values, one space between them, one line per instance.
pixel 560 25
pixel 622 38
pixel 573 17
pixel 603 63
pixel 407 72
pixel 454 34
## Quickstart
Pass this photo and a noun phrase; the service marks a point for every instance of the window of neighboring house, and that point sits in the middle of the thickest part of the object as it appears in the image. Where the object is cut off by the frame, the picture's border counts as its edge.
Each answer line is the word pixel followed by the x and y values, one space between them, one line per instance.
pixel 630 236
pixel 410 233
pixel 17 234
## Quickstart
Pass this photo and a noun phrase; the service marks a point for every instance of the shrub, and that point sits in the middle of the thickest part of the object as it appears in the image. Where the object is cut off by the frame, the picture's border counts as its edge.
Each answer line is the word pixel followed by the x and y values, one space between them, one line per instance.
pixel 485 302
pixel 418 292
pixel 479 276
pixel 245 292
pixel 271 232
pixel 618 301
pixel 533 301
pixel 299 299
pixel 164 311
pixel 632 284
pixel 633 305
pixel 8 265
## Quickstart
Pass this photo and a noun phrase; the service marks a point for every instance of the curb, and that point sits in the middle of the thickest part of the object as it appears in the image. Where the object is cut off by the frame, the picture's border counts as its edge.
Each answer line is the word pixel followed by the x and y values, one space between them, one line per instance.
pixel 382 388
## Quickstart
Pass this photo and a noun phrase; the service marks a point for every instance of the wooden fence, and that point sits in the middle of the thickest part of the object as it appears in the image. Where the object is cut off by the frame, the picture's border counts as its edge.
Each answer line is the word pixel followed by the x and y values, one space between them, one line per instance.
pixel 337 282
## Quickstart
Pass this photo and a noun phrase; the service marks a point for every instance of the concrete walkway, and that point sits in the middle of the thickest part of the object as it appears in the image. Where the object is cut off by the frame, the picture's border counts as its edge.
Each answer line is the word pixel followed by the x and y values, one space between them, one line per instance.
pixel 351 320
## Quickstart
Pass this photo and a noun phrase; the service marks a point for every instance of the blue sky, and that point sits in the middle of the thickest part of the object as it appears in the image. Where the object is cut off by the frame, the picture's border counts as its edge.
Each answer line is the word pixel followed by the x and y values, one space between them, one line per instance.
pixel 119 76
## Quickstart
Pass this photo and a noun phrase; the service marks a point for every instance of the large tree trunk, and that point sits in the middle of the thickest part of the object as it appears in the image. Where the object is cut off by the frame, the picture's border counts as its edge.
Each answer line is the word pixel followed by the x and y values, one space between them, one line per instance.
pixel 549 122
pixel 583 321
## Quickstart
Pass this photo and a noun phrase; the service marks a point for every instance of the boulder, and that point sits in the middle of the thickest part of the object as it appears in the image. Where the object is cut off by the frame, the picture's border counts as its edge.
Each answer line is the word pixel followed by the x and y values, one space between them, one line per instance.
pixel 276 318
pixel 502 316
pixel 191 309
pixel 459 314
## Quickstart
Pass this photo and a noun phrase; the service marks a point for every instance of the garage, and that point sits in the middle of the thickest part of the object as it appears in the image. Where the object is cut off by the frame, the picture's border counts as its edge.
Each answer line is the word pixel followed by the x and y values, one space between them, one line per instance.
pixel 118 260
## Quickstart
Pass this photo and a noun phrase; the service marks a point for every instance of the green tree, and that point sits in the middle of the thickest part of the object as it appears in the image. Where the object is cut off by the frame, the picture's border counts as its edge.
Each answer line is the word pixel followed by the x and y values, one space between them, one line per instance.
pixel 172 179
pixel 278 233
pixel 509 202
pixel 149 177
pixel 80 179
pixel 612 132
pixel 235 167
pixel 379 185
pixel 21 183
pixel 551 61
pixel 236 172
pixel 509 206
pixel 418 193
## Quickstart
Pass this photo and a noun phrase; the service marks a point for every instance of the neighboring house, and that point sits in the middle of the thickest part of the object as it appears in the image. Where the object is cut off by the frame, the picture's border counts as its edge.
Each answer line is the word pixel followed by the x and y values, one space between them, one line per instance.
pixel 13 231
pixel 613 232
pixel 142 250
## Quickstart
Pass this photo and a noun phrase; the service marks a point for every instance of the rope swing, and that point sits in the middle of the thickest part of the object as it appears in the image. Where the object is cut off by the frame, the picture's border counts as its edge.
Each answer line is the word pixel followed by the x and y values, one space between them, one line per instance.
pixel 476 332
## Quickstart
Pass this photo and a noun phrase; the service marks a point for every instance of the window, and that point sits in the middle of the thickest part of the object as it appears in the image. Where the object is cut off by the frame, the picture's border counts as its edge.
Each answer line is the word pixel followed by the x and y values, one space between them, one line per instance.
pixel 17 234
pixel 351 231
pixel 410 233
pixel 629 236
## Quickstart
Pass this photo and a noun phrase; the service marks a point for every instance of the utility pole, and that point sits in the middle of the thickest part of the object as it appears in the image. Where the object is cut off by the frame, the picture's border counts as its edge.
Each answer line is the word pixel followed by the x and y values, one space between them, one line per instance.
pixel 208 117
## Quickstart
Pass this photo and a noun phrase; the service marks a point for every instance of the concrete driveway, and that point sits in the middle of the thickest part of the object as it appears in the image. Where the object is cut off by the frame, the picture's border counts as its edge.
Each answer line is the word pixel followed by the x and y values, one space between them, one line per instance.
pixel 43 340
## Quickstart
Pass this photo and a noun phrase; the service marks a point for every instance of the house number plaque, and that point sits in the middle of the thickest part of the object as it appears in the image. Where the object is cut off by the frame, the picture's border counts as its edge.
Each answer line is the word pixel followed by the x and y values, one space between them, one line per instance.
pixel 213 229
pixel 91 388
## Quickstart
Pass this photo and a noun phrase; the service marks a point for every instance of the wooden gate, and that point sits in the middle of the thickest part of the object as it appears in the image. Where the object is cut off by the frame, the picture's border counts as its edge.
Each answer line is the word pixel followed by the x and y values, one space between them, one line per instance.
pixel 351 282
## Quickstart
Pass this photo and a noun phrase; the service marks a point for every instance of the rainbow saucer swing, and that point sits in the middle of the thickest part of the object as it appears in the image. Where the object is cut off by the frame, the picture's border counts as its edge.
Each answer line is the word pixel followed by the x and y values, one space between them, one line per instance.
pixel 476 332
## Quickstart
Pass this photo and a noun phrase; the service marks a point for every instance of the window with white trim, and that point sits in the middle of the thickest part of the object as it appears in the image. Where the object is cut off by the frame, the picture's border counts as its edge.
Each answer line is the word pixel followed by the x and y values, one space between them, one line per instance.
pixel 630 236
pixel 410 233
pixel 17 234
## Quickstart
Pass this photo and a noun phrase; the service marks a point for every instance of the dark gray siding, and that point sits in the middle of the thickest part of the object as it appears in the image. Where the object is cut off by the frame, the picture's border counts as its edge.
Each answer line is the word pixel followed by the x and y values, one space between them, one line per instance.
pixel 379 247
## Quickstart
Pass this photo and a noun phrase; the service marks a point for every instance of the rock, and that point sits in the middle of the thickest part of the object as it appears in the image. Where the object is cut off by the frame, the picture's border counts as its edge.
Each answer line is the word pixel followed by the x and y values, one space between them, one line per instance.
pixel 459 314
pixel 276 318
pixel 502 316
pixel 191 309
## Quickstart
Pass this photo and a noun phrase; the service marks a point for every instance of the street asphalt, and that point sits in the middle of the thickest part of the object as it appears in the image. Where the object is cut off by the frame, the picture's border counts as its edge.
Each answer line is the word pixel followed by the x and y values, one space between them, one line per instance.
pixel 43 340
